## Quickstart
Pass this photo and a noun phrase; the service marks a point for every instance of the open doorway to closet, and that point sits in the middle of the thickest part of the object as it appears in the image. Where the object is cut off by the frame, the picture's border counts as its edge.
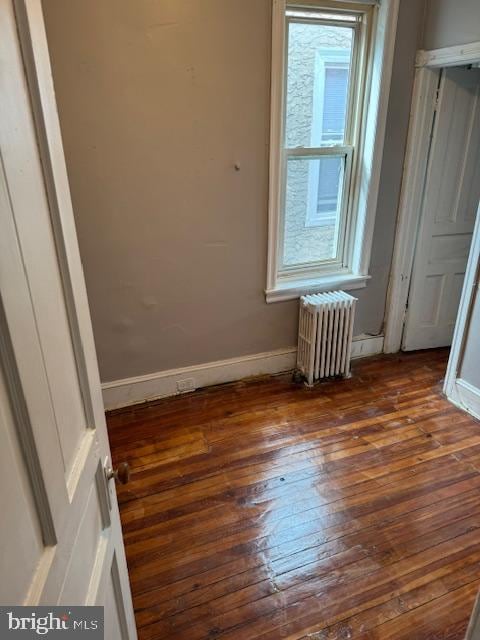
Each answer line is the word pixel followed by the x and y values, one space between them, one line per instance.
pixel 451 195
pixel 440 195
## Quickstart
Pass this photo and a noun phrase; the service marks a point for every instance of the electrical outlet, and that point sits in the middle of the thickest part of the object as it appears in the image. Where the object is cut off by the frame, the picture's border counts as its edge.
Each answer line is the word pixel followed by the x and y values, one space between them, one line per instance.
pixel 184 386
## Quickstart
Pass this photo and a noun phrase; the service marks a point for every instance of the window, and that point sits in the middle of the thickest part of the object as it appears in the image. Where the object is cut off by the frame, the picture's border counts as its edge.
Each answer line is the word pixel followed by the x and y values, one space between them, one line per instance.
pixel 323 89
pixel 321 188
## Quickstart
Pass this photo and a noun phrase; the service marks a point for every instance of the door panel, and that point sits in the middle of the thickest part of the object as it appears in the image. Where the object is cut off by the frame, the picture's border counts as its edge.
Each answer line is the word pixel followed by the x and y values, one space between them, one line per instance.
pixel 452 191
pixel 47 353
pixel 115 618
pixel 84 552
pixel 20 533
pixel 28 198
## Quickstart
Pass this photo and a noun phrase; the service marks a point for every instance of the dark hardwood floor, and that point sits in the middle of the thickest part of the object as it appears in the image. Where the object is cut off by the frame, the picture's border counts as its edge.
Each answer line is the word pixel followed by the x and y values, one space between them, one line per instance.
pixel 265 510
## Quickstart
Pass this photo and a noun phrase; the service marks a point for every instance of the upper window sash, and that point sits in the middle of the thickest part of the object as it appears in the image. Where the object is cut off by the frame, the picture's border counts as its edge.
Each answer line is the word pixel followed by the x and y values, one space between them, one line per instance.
pixel 328 55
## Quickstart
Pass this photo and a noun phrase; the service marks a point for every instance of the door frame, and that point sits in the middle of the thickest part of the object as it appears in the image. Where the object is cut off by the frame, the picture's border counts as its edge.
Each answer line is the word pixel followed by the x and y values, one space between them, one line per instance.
pixel 457 390
pixel 424 102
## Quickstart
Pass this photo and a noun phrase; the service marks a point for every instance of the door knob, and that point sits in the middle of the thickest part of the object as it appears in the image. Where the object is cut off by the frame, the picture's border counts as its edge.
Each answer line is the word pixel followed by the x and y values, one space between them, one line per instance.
pixel 121 474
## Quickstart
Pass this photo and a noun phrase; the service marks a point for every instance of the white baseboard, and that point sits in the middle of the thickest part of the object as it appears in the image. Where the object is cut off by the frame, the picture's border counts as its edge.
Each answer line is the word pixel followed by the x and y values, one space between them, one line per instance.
pixel 467 397
pixel 365 345
pixel 123 393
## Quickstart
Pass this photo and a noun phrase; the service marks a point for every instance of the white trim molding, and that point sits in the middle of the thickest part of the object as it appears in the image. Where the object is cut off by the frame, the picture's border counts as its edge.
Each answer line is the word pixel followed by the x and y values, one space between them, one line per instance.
pixel 473 630
pixel 411 199
pixel 164 384
pixel 466 397
pixel 122 393
pixel 458 390
pixel 364 346
pixel 368 180
pixel 469 291
pixel 461 54
pixel 296 288
pixel 276 133
pixel 365 187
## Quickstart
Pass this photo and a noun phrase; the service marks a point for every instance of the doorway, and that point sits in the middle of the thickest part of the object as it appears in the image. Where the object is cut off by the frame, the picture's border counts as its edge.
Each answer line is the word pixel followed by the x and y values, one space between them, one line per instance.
pixel 439 200
pixel 451 195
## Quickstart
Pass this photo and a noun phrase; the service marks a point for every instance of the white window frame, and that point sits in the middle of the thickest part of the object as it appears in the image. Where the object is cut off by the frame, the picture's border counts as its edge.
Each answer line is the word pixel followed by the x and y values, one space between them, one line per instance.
pixel 356 60
pixel 352 273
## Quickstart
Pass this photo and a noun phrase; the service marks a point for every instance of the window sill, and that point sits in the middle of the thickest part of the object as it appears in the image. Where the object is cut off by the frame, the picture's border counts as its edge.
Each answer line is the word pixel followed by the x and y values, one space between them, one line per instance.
pixel 291 289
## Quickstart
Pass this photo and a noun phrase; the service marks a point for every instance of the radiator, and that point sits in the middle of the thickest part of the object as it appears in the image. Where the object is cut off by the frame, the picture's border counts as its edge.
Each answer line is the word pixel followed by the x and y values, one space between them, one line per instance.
pixel 325 335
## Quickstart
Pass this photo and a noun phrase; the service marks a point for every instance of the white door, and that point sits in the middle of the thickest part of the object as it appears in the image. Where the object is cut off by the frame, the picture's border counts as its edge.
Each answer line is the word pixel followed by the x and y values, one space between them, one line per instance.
pixel 452 191
pixel 60 536
pixel 473 631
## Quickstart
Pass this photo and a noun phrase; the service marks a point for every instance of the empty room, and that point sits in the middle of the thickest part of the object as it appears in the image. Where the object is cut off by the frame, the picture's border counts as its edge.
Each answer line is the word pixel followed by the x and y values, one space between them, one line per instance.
pixel 240 319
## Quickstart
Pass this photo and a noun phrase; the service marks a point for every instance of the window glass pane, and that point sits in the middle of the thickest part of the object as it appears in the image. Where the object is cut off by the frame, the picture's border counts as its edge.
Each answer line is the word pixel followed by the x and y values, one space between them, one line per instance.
pixel 319 59
pixel 313 207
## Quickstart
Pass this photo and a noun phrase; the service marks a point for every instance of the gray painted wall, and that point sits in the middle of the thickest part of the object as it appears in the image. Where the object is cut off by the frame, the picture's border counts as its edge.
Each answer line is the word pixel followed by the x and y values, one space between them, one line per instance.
pixel 450 22
pixel 158 101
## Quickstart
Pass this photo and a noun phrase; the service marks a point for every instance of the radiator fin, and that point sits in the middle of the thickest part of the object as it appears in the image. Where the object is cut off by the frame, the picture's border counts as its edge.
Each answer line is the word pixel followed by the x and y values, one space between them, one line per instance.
pixel 325 331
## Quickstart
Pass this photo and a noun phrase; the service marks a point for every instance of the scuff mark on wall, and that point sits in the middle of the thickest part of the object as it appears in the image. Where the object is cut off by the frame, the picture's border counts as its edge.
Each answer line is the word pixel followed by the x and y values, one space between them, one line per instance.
pixel 216 243
pixel 161 25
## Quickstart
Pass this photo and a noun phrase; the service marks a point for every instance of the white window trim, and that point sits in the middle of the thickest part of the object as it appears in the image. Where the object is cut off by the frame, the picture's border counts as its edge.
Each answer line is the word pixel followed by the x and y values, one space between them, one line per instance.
pixel 370 149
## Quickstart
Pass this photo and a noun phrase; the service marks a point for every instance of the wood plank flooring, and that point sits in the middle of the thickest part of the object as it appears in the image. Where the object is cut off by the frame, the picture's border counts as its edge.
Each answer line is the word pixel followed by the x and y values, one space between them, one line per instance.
pixel 266 510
